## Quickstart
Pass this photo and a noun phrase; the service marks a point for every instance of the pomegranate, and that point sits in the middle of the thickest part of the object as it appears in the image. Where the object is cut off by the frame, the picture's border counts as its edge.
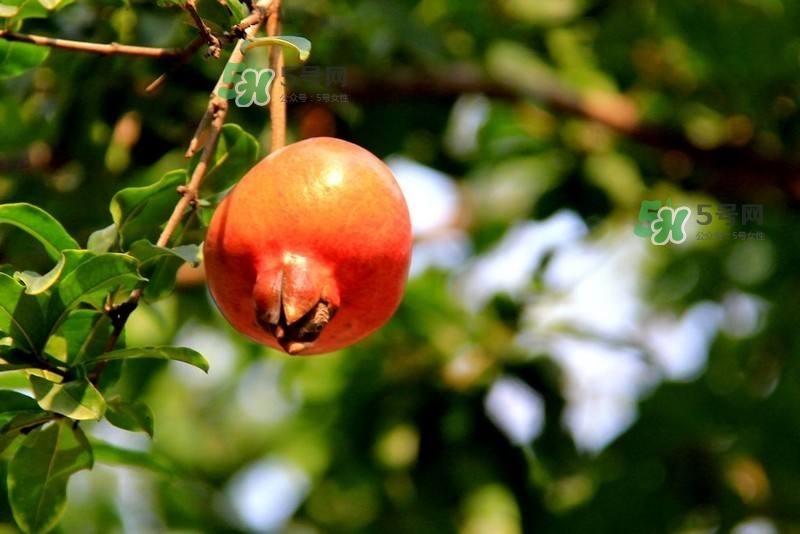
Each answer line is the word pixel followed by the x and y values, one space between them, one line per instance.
pixel 310 251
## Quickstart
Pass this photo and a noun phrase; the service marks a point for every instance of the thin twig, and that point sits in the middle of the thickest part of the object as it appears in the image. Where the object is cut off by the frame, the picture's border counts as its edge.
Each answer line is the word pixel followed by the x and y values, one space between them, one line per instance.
pixel 237 56
pixel 202 129
pixel 200 133
pixel 214 48
pixel 253 19
pixel 119 316
pixel 120 313
pixel 190 191
pixel 208 130
pixel 108 49
pixel 277 101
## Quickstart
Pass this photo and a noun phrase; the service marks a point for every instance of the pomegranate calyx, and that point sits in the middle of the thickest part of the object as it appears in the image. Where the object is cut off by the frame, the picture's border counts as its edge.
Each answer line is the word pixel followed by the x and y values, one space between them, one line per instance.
pixel 297 336
pixel 295 301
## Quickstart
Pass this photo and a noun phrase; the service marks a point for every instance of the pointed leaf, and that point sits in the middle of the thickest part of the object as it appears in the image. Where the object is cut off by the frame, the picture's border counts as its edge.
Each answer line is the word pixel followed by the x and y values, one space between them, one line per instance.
pixel 21 423
pixel 14 401
pixel 238 10
pixel 91 282
pixel 77 399
pixel 26 419
pixel 82 335
pixel 52 376
pixel 22 9
pixel 21 315
pixel 36 284
pixel 189 253
pixel 55 4
pixel 181 354
pixel 139 212
pixel 39 472
pixel 301 45
pixel 32 281
pixel 25 9
pixel 102 240
pixel 111 454
pixel 160 265
pixel 133 416
pixel 146 252
pixel 35 221
pixel 18 412
pixel 237 151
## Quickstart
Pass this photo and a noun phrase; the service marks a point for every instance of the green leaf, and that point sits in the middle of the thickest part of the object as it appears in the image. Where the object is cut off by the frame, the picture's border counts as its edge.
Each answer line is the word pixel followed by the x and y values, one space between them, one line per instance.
pixel 21 422
pixel 301 45
pixel 81 336
pixel 22 9
pixel 36 284
pixel 90 282
pixel 14 401
pixel 237 151
pixel 238 10
pixel 54 4
pixel 181 354
pixel 139 212
pixel 21 316
pixel 102 240
pixel 133 416
pixel 18 412
pixel 35 221
pixel 7 11
pixel 39 472
pixel 25 9
pixel 189 253
pixel 77 399
pixel 148 253
pixel 111 454
pixel 25 419
pixel 160 265
pixel 17 58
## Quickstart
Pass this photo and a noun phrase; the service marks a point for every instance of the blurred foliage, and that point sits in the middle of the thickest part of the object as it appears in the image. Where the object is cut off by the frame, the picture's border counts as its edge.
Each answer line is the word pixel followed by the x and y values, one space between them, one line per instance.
pixel 668 395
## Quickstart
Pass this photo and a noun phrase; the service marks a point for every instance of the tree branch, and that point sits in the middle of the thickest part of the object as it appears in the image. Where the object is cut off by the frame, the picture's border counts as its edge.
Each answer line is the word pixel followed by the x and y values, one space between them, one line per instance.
pixel 208 131
pixel 733 172
pixel 108 49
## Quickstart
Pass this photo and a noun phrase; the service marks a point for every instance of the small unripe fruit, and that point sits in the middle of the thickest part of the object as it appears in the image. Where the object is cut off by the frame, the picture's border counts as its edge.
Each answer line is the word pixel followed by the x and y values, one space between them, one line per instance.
pixel 310 251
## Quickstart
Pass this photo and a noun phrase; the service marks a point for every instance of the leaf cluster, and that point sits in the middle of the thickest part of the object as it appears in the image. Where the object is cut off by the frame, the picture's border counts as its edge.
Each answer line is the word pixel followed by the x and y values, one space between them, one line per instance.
pixel 63 329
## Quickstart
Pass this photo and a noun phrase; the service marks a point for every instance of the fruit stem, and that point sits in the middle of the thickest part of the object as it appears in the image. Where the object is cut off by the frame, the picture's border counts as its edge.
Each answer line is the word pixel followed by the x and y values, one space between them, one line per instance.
pixel 277 101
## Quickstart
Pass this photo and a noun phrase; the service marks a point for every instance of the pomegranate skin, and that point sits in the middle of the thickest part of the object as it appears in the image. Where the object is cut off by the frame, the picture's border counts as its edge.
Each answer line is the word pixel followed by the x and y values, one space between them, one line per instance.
pixel 310 251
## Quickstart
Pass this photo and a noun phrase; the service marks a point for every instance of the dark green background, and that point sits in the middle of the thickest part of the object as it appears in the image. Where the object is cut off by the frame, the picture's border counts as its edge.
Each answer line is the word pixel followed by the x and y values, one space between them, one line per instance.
pixel 699 103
